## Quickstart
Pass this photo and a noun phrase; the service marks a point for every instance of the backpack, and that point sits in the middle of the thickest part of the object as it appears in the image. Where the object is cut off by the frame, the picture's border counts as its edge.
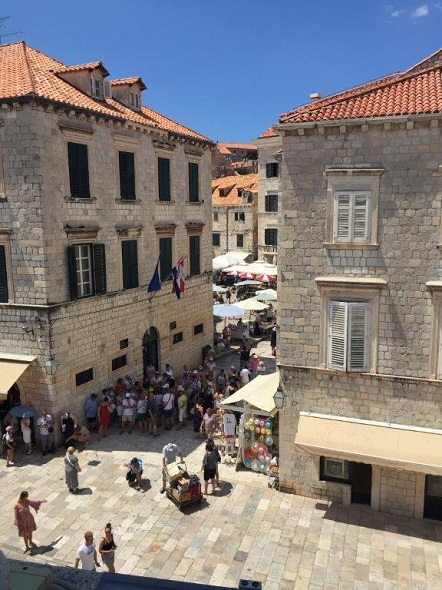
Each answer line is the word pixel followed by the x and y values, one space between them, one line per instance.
pixel 211 460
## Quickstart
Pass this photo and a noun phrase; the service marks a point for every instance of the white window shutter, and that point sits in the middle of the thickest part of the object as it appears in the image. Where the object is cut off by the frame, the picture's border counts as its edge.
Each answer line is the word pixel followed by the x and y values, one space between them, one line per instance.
pixel 358 332
pixel 360 216
pixel 341 220
pixel 439 359
pixel 337 335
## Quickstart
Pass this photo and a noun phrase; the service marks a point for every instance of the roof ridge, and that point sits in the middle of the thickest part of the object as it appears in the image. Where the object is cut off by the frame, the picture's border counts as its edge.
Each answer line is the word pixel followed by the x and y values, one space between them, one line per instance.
pixel 28 66
pixel 426 59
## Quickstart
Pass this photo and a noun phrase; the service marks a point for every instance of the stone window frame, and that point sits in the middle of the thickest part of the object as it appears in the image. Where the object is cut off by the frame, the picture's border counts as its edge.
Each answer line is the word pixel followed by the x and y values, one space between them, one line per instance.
pixel 350 289
pixel 165 151
pixel 84 137
pixel 124 234
pixel 192 159
pixel 114 354
pixel 353 180
pixel 435 359
pixel 89 385
pixel 131 145
pixel 5 241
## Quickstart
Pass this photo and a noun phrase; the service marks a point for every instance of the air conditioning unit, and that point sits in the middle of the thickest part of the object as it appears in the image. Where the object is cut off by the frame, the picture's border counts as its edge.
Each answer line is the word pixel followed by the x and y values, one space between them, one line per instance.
pixel 249 585
pixel 107 89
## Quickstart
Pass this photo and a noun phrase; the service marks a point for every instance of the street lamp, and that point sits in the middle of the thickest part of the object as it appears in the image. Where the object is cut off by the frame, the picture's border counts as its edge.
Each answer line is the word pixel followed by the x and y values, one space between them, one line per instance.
pixel 279 398
pixel 51 366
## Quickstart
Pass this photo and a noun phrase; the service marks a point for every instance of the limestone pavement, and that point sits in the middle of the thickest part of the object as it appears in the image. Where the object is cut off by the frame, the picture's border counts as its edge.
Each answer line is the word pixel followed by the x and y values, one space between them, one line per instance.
pixel 246 530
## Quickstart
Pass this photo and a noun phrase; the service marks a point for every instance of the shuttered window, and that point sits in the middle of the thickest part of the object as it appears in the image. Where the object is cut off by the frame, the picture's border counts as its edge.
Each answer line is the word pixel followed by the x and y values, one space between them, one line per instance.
pixel 164 179
pixel 272 169
pixel 216 239
pixel 78 170
pixel 271 203
pixel 351 216
pixel 4 294
pixel 129 253
pixel 194 190
pixel 194 256
pixel 271 237
pixel 166 259
pixel 127 175
pixel 87 270
pixel 347 335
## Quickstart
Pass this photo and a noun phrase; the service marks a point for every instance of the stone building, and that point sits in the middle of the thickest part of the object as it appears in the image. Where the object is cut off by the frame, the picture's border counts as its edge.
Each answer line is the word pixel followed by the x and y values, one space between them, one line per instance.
pixel 94 186
pixel 234 207
pixel 360 294
pixel 227 158
pixel 269 194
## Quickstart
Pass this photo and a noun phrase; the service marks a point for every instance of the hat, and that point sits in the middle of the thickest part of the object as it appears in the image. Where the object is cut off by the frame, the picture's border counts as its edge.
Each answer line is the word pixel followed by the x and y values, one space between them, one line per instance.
pixel 232 367
pixel 180 388
pixel 254 355
pixel 195 372
pixel 165 386
pixel 127 393
pixel 71 450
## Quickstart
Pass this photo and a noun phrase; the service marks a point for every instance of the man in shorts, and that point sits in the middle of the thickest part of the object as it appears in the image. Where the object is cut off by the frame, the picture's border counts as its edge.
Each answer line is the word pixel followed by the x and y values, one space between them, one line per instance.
pixel 45 425
pixel 128 405
pixel 170 453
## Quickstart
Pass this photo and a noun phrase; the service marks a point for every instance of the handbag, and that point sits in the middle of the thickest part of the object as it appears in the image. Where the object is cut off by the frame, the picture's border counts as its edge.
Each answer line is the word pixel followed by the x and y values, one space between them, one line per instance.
pixel 50 429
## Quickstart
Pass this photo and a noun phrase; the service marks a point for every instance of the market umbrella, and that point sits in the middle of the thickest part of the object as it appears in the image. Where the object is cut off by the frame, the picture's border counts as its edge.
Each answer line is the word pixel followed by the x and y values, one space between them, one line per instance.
pixel 266 295
pixel 265 278
pixel 246 275
pixel 227 310
pixel 218 289
pixel 251 304
pixel 247 282
pixel 22 411
pixel 233 273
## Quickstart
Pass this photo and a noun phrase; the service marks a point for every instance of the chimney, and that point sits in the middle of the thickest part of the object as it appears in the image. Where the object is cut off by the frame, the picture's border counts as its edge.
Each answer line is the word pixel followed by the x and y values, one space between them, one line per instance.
pixel 315 96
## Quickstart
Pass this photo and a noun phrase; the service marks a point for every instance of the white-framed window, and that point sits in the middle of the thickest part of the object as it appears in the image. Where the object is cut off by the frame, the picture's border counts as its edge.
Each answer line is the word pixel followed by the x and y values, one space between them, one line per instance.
pixel 351 221
pixel 96 87
pixel 240 216
pixel 83 260
pixel 334 470
pixel 348 335
pixel 86 269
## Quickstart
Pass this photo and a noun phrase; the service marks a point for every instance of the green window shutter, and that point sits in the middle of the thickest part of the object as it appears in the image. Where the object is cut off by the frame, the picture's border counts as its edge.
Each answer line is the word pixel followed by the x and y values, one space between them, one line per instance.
pixel 165 259
pixel 4 294
pixel 129 253
pixel 194 248
pixel 127 175
pixel 194 195
pixel 164 179
pixel 72 272
pixel 78 170
pixel 99 257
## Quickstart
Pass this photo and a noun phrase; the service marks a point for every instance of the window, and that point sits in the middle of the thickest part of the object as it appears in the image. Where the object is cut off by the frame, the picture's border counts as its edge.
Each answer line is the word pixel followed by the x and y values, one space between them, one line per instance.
pixel 271 237
pixel 216 239
pixel 164 179
pixel 127 175
pixel 124 343
pixel 96 87
pixel 194 190
pixel 172 325
pixel 215 216
pixel 4 291
pixel 134 100
pixel 198 329
pixel 178 337
pixel 271 203
pixel 350 216
pixel 239 240
pixel 87 270
pixel 119 362
pixel 166 259
pixel 348 335
pixel 334 470
pixel 84 377
pixel 78 170
pixel 272 170
pixel 240 216
pixel 129 253
pixel 194 257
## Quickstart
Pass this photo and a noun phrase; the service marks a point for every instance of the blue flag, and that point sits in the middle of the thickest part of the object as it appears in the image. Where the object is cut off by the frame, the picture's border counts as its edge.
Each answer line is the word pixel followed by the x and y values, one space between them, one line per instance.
pixel 155 283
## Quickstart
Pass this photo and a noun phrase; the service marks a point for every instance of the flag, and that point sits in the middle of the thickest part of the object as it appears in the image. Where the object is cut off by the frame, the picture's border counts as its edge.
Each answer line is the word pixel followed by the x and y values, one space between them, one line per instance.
pixel 155 283
pixel 179 277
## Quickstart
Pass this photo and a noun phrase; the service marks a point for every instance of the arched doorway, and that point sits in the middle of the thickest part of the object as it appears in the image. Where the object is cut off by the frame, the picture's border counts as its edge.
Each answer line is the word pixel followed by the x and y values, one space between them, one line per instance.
pixel 150 350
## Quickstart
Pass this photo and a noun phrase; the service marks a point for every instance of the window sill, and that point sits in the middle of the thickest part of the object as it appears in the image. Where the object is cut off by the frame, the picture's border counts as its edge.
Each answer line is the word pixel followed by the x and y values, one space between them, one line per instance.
pixel 350 246
pixel 171 202
pixel 80 199
pixel 194 202
pixel 128 201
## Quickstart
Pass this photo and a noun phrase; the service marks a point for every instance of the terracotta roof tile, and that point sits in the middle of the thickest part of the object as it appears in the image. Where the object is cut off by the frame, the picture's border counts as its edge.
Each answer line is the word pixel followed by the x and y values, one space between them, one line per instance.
pixel 230 186
pixel 25 71
pixel 238 146
pixel 129 81
pixel 93 65
pixel 417 91
pixel 269 132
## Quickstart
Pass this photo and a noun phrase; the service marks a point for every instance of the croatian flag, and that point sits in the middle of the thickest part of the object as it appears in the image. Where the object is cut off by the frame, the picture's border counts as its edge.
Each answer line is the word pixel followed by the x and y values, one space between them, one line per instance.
pixel 179 277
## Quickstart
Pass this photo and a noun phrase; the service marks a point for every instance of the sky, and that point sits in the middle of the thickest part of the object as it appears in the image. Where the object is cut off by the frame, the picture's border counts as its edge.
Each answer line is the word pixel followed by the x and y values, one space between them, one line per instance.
pixel 229 68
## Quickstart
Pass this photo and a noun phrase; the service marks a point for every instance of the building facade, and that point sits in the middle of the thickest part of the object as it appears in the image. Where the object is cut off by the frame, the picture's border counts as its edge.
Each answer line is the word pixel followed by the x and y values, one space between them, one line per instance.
pixel 94 187
pixel 360 294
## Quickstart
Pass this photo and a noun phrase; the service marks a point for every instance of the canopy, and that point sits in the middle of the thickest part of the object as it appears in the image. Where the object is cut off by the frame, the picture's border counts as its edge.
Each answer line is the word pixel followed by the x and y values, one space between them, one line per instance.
pixel 256 395
pixel 247 282
pixel 12 366
pixel 226 310
pixel 266 295
pixel 408 448
pixel 251 304
pixel 227 259
pixel 259 267
pixel 218 289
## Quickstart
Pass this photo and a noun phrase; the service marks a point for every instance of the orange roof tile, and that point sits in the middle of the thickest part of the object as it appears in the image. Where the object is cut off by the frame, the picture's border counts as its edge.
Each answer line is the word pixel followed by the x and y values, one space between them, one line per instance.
pixel 129 81
pixel 230 185
pixel 27 72
pixel 417 91
pixel 269 132
pixel 93 65
pixel 238 146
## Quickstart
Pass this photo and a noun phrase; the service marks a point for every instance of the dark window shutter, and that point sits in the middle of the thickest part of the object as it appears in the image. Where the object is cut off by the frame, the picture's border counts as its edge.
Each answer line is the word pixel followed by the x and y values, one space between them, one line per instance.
pixel 271 237
pixel 194 195
pixel 4 294
pixel 72 270
pixel 130 264
pixel 99 257
pixel 164 179
pixel 165 259
pixel 127 175
pixel 78 170
pixel 194 247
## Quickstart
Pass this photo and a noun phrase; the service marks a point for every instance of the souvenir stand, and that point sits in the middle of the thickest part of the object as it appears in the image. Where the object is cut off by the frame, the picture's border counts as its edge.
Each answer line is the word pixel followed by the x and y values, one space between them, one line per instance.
pixel 256 444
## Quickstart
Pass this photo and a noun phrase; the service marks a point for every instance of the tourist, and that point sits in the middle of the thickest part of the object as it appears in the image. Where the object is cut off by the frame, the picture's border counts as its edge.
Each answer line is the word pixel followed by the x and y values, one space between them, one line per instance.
pixel 90 410
pixel 135 472
pixel 87 554
pixel 8 439
pixel 107 548
pixel 81 436
pixel 254 362
pixel 168 407
pixel 24 520
pixel 244 376
pixel 262 369
pixel 71 470
pixel 210 462
pixel 198 413
pixel 45 425
pixel 103 415
pixel 68 425
pixel 128 406
pixel 182 407
pixel 208 423
pixel 25 426
pixel 152 412
pixel 142 413
pixel 273 341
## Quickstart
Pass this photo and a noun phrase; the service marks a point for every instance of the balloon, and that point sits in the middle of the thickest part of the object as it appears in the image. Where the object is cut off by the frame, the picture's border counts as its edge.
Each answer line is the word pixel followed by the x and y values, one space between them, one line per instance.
pixel 247 435
pixel 257 430
pixel 261 458
pixel 263 430
pixel 269 424
pixel 262 449
pixel 248 454
pixel 262 423
pixel 262 467
pixel 255 465
pixel 268 431
pixel 257 422
pixel 255 447
pixel 247 463
pixel 268 459
pixel 269 441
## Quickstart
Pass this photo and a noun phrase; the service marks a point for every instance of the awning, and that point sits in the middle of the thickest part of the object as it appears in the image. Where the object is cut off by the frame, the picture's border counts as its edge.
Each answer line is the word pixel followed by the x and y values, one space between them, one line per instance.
pixel 409 448
pixel 12 366
pixel 256 395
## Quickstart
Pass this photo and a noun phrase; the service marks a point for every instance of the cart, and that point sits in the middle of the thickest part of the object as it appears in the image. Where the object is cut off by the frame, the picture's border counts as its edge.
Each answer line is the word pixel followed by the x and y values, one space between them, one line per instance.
pixel 183 489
